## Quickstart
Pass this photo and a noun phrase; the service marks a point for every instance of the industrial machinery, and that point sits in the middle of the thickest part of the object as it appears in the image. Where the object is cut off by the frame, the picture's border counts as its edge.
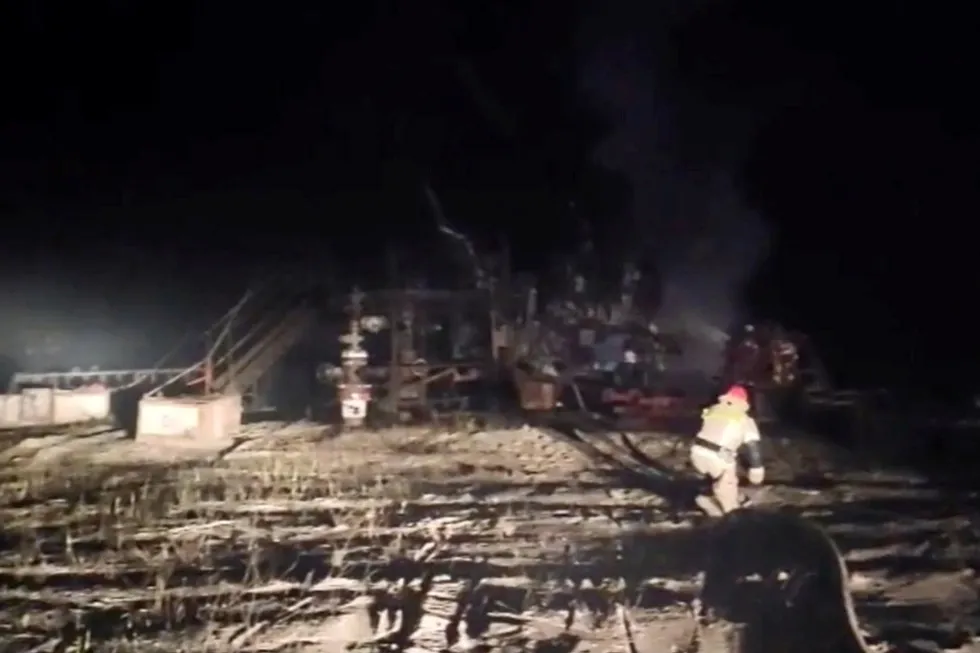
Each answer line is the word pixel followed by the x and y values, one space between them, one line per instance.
pixel 415 353
pixel 353 393
pixel 600 353
pixel 574 341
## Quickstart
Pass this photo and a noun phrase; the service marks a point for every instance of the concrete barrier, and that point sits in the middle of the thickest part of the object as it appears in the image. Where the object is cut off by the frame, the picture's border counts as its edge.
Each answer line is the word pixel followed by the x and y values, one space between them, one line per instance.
pixel 82 405
pixel 9 410
pixel 37 406
pixel 214 418
pixel 48 406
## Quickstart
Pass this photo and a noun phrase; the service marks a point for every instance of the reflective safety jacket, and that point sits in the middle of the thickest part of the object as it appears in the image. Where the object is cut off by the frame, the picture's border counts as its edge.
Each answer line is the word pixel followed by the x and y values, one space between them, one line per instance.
pixel 725 429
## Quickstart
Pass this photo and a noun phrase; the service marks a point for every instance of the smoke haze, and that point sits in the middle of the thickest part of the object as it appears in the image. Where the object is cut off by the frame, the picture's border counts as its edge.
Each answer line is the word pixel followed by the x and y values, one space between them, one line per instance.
pixel 681 158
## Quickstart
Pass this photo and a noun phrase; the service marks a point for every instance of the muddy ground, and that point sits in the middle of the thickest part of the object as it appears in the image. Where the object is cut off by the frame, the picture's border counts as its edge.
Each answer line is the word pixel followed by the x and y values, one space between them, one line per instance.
pixel 298 539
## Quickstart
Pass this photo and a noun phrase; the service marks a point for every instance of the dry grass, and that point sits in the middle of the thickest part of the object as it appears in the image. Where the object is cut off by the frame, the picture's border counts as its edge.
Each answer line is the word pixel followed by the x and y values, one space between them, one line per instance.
pixel 410 541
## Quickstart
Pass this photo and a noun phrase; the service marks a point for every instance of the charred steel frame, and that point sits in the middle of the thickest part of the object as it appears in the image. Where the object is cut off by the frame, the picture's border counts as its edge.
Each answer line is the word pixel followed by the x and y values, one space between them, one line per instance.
pixel 411 316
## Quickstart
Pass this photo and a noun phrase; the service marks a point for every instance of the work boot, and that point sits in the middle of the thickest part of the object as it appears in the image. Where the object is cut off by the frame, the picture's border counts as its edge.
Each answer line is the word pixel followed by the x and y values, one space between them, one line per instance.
pixel 709 506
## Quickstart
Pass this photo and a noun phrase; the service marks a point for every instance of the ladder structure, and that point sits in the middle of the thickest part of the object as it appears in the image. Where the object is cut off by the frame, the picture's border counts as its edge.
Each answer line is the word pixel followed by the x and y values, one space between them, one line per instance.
pixel 266 335
pixel 244 345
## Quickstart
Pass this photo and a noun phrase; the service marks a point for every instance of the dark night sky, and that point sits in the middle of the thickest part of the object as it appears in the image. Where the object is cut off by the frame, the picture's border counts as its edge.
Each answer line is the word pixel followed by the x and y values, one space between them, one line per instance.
pixel 177 142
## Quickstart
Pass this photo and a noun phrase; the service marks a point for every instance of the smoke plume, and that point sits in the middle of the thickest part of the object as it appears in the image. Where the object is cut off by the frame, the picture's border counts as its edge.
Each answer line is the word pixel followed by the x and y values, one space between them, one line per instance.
pixel 681 158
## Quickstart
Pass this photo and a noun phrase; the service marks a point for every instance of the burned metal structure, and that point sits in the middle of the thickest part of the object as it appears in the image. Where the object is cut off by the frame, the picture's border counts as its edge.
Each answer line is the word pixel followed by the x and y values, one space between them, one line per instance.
pixel 415 353
pixel 582 339
pixel 408 354
pixel 593 348
pixel 604 349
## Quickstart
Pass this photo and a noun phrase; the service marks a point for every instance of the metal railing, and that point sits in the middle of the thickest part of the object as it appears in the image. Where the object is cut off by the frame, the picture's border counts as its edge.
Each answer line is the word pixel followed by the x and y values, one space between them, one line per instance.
pixel 242 345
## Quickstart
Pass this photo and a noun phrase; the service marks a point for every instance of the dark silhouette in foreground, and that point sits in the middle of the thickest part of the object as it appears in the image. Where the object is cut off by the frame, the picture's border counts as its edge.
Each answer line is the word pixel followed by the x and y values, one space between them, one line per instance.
pixel 783 578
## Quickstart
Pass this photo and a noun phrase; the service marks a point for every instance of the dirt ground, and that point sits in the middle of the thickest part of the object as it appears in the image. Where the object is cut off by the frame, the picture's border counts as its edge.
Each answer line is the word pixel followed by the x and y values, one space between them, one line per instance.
pixel 417 540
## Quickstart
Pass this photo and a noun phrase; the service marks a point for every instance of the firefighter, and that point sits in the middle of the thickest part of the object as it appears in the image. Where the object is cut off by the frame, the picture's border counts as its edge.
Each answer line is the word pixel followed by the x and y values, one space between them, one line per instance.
pixel 785 358
pixel 743 357
pixel 630 372
pixel 726 428
pixel 748 357
pixel 659 349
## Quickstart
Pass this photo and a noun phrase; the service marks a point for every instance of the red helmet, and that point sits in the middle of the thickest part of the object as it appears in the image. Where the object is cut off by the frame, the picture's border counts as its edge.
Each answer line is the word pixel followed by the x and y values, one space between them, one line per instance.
pixel 736 393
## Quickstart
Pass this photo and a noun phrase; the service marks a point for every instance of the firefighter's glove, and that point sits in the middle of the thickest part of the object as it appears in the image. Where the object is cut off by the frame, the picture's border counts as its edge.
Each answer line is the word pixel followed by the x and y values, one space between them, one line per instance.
pixel 757 475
